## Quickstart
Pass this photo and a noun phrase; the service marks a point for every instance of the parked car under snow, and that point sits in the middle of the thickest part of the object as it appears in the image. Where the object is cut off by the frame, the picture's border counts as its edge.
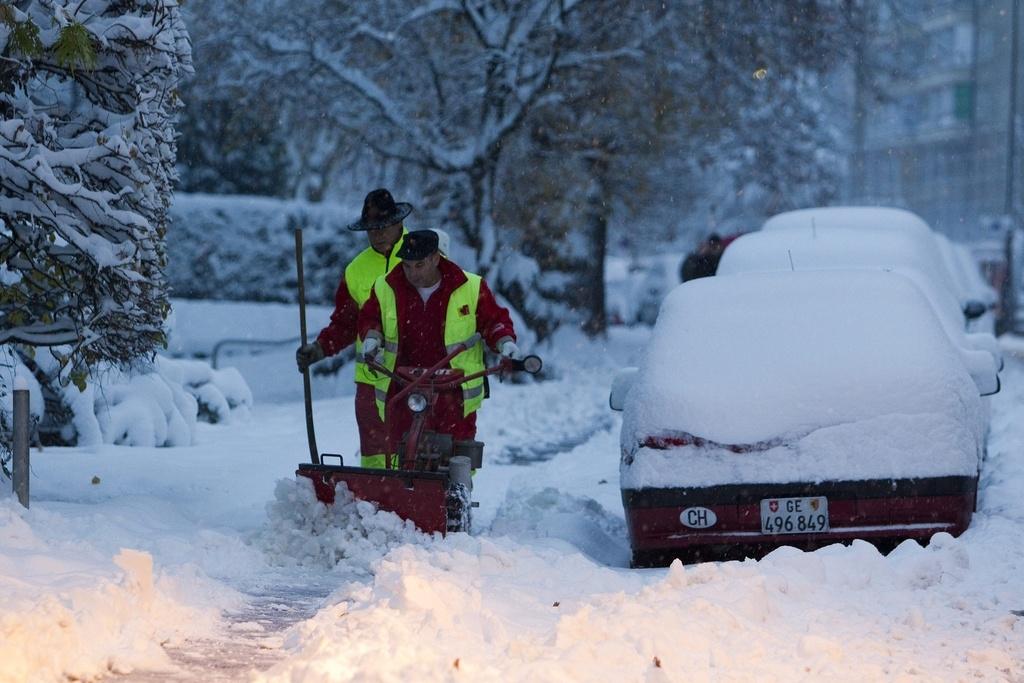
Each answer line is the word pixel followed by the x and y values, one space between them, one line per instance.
pixel 928 246
pixel 796 408
pixel 912 254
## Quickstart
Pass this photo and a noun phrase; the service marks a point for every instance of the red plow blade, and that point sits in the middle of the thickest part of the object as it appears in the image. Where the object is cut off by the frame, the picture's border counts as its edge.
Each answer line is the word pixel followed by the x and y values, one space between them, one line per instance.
pixel 419 497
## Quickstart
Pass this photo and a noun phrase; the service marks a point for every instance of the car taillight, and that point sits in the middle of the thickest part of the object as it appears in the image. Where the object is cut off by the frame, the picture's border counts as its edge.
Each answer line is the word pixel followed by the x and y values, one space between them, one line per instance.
pixel 664 442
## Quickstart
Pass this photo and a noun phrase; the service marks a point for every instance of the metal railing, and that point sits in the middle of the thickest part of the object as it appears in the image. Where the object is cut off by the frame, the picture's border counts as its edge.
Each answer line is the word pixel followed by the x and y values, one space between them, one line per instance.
pixel 258 346
pixel 219 347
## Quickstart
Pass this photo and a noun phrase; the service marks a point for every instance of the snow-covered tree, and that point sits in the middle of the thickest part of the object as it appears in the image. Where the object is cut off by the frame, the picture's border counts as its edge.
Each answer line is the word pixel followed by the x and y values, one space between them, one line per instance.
pixel 87 146
pixel 534 130
pixel 438 90
pixel 440 85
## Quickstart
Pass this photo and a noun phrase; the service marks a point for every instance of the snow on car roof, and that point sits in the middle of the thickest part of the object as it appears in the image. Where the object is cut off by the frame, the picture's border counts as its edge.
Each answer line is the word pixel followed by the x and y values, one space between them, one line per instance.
pixel 765 356
pixel 801 249
pixel 851 217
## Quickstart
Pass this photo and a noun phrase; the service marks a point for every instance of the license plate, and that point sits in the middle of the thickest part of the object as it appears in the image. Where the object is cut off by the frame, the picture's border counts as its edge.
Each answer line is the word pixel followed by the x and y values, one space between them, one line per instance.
pixel 794 515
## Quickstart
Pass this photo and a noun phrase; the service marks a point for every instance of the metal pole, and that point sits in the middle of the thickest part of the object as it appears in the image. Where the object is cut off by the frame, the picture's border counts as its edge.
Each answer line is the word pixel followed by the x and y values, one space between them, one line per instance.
pixel 20 462
pixel 1011 133
pixel 307 394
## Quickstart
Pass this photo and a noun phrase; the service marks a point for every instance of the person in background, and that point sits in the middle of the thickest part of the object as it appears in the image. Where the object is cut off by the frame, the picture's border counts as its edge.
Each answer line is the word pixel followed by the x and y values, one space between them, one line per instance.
pixel 382 221
pixel 703 261
pixel 419 312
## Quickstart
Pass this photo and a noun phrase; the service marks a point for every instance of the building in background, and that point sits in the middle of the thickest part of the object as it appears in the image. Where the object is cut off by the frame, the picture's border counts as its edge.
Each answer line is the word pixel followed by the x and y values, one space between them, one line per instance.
pixel 935 138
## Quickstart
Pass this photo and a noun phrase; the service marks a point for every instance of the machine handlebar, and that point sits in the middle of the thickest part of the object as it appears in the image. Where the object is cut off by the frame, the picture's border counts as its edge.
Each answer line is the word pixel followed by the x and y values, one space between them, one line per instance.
pixel 531 364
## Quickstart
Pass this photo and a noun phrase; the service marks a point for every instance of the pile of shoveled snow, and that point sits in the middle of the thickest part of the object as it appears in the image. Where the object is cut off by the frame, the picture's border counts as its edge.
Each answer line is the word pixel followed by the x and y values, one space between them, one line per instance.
pixel 67 614
pixel 583 523
pixel 302 531
pixel 496 610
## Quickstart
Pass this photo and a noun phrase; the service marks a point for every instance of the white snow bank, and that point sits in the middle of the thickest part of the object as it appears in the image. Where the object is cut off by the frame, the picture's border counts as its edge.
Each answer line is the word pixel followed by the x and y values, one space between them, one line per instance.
pixel 1003 474
pixel 145 410
pixel 495 610
pixel 525 427
pixel 69 614
pixel 302 531
pixel 769 359
pixel 551 513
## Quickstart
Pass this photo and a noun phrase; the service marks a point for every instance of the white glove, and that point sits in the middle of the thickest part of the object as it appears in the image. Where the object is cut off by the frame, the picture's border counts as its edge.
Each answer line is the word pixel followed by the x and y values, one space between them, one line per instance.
pixel 371 346
pixel 511 351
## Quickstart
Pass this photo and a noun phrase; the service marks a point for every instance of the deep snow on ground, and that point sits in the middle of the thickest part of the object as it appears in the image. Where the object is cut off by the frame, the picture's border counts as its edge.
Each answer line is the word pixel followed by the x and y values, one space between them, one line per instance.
pixel 210 562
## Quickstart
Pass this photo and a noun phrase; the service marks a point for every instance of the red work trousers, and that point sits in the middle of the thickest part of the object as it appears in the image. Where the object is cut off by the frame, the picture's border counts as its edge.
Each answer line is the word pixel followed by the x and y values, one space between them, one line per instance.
pixel 373 435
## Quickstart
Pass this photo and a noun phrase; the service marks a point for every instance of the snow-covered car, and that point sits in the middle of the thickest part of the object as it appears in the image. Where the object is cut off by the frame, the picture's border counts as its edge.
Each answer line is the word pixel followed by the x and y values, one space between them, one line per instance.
pixel 916 255
pixel 970 284
pixel 850 217
pixel 796 408
pixel 930 258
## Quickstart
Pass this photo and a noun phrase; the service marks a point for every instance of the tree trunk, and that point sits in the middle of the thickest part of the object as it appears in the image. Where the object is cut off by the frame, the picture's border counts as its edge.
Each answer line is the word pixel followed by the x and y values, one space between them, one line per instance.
pixel 482 182
pixel 597 214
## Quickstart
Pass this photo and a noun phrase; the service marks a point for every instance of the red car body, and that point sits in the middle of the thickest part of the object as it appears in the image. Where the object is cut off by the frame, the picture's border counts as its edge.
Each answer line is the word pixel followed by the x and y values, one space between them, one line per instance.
pixel 884 512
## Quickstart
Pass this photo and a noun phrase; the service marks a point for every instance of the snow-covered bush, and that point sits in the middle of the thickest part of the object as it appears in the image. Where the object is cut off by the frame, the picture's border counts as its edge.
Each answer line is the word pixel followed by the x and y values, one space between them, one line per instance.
pixel 143 409
pixel 239 248
pixel 218 393
pixel 149 404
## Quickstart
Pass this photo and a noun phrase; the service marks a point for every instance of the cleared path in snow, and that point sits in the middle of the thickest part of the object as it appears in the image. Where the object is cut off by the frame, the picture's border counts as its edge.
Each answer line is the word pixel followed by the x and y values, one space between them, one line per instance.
pixel 552 472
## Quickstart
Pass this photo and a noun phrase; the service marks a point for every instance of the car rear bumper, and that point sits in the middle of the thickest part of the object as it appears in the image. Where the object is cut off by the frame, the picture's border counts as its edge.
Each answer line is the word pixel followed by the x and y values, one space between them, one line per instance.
pixel 882 511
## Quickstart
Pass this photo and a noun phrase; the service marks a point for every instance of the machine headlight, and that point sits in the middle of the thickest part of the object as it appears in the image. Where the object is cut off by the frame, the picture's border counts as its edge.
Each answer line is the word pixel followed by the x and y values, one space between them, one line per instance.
pixel 417 403
pixel 532 364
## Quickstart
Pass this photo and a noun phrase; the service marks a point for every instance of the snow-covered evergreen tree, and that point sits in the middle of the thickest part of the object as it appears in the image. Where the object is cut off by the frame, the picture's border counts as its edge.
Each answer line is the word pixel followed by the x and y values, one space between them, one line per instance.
pixel 87 146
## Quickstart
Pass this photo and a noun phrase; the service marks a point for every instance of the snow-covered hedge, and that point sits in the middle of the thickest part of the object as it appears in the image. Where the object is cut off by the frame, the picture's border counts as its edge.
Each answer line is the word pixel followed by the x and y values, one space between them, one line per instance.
pixel 133 409
pixel 241 248
pixel 154 405
pixel 219 393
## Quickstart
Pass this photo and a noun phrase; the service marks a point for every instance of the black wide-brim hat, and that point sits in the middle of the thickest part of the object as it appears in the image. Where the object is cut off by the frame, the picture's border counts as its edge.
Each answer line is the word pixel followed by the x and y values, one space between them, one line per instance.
pixel 379 211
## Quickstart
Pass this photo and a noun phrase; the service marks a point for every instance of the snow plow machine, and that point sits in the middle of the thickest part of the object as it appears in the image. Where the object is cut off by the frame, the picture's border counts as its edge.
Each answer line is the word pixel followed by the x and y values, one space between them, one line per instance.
pixel 428 476
pixel 428 479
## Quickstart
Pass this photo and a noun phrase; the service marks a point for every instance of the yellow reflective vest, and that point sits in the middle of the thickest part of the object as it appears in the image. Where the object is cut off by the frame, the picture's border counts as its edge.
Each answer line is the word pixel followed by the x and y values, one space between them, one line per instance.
pixel 459 327
pixel 360 274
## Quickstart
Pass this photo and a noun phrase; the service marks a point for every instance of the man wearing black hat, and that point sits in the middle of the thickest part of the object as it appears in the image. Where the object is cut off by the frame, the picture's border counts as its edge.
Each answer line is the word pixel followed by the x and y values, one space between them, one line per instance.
pixel 415 315
pixel 381 219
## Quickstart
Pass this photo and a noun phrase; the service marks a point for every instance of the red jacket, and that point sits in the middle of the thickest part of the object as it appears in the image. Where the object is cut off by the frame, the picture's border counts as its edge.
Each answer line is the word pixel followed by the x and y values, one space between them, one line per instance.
pixel 341 331
pixel 421 325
